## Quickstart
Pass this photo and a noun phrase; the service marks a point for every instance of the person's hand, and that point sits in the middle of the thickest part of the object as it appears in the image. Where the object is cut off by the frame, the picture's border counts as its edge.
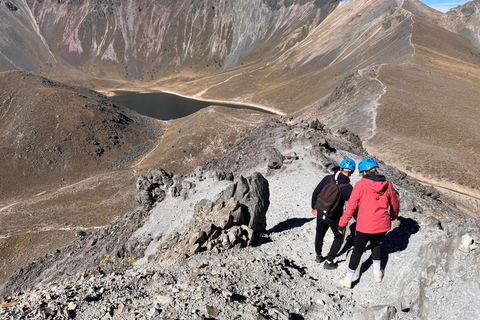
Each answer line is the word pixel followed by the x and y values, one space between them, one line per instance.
pixel 341 229
pixel 314 212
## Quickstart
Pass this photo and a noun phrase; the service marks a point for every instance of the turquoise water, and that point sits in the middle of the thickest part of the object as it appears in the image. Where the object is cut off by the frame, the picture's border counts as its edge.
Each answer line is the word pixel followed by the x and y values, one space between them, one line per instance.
pixel 165 106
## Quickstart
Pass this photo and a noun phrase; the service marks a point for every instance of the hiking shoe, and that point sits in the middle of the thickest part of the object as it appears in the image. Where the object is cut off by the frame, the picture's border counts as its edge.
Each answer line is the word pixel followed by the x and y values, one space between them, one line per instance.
pixel 319 259
pixel 346 283
pixel 330 265
pixel 378 277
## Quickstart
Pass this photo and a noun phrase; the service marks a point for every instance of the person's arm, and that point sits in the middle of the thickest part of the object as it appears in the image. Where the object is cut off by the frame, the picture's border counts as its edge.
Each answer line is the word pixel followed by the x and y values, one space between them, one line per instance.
pixel 394 203
pixel 347 192
pixel 352 205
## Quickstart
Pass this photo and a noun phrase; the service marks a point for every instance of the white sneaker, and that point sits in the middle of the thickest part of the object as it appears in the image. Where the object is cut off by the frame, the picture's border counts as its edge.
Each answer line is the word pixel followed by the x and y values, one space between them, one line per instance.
pixel 346 283
pixel 378 277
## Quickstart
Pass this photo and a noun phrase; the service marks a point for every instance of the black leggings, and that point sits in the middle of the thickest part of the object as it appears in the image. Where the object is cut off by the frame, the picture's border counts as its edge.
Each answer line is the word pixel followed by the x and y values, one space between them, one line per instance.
pixel 360 243
pixel 322 227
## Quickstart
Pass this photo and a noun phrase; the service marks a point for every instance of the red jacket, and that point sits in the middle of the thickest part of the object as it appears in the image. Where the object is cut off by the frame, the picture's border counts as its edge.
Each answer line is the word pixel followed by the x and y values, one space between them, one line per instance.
pixel 374 196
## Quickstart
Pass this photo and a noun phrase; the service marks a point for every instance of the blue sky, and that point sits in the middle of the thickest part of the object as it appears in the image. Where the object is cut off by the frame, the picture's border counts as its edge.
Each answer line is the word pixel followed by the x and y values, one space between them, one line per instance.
pixel 443 5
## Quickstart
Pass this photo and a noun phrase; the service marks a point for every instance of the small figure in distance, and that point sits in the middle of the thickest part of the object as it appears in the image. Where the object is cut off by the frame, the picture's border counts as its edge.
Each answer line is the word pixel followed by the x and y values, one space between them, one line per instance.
pixel 328 212
pixel 377 204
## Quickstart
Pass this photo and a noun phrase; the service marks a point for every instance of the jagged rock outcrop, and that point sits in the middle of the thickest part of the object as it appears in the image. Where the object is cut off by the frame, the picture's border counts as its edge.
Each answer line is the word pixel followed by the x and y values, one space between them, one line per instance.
pixel 465 20
pixel 351 136
pixel 253 193
pixel 157 183
pixel 275 158
pixel 231 220
pixel 273 140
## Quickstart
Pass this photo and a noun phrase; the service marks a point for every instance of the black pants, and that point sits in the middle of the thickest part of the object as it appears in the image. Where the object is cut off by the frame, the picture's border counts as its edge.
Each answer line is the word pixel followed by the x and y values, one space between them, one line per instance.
pixel 322 226
pixel 360 243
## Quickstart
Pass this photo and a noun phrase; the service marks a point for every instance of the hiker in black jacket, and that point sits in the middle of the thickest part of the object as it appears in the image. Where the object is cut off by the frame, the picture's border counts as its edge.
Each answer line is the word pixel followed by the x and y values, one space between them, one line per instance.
pixel 347 167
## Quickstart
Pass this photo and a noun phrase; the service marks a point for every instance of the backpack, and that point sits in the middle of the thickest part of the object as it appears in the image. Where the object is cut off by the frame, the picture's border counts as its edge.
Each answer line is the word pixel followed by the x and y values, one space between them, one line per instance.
pixel 329 198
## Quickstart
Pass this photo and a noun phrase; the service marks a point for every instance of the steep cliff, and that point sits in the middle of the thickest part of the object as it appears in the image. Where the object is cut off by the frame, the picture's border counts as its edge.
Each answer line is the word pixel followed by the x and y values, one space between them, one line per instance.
pixel 147 40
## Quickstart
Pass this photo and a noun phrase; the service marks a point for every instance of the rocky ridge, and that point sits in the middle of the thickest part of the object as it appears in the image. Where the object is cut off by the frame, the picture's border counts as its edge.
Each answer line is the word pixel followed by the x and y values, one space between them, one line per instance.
pixel 380 68
pixel 430 256
pixel 252 51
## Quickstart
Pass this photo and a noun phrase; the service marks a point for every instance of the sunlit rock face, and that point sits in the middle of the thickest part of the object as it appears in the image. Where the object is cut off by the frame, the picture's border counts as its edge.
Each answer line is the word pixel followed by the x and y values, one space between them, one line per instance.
pixel 146 39
pixel 465 20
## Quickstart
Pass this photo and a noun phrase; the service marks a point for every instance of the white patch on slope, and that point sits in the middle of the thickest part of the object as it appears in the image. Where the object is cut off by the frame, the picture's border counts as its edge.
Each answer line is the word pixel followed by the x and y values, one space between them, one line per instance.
pixel 37 30
pixel 172 213
pixel 372 107
pixel 110 54
pixel 10 61
pixel 70 34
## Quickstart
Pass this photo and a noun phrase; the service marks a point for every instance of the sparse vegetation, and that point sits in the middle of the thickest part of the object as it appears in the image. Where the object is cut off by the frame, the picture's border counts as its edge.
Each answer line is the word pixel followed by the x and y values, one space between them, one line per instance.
pixel 138 225
pixel 111 264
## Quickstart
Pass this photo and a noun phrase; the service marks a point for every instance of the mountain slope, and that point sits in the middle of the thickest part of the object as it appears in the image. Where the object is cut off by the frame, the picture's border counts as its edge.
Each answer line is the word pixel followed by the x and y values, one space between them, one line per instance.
pixel 278 277
pixel 145 40
pixel 22 46
pixel 464 20
pixel 48 127
pixel 397 73
pixel 427 115
pixel 70 157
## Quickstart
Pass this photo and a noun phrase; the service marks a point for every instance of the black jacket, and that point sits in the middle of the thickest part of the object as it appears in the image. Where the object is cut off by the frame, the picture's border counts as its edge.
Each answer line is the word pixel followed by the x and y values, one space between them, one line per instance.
pixel 346 191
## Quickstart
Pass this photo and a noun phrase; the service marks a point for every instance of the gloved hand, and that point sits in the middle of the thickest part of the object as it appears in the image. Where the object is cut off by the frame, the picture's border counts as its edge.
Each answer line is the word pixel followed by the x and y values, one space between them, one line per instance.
pixel 341 229
pixel 314 212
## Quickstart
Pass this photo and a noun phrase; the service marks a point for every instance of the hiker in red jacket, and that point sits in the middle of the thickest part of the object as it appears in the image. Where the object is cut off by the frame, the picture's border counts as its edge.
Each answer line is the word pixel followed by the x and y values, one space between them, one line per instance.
pixel 377 205
pixel 347 167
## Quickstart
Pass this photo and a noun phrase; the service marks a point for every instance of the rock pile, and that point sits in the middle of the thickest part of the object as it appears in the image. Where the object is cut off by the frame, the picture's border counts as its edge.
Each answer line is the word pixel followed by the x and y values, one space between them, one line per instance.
pixel 157 183
pixel 271 143
pixel 231 220
pixel 204 287
pixel 350 136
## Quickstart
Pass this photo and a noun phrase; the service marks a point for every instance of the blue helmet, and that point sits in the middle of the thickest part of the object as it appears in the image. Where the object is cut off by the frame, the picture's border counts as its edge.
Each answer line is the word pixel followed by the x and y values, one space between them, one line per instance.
pixel 348 164
pixel 367 164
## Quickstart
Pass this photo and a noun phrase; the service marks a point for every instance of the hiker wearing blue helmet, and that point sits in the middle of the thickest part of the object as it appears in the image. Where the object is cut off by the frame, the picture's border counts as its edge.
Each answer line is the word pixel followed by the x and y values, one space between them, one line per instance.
pixel 376 203
pixel 348 164
pixel 337 187
pixel 367 165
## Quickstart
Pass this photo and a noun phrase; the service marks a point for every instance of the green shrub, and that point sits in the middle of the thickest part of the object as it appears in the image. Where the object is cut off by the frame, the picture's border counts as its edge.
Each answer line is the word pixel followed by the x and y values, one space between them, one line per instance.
pixel 110 264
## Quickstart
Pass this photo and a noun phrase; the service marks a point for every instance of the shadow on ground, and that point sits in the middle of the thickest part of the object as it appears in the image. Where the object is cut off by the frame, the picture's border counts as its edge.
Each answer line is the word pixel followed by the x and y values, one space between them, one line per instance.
pixel 394 241
pixel 289 224
pixel 282 226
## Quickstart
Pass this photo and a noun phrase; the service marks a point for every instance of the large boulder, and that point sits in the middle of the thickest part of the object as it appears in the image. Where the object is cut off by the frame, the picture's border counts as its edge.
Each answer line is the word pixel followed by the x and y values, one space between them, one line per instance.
pixel 231 220
pixel 274 158
pixel 253 192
